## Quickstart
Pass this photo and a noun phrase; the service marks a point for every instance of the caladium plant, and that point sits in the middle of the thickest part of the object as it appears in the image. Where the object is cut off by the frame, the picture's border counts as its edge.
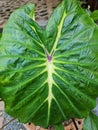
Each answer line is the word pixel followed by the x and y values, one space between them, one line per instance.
pixel 49 75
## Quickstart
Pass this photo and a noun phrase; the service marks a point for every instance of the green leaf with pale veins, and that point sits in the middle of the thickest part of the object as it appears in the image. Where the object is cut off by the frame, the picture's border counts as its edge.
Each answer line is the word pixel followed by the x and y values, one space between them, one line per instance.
pixel 48 76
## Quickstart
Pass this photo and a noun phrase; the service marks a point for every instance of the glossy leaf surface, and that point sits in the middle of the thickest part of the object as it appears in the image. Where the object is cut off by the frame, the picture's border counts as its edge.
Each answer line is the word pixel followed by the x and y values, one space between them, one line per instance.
pixel 48 76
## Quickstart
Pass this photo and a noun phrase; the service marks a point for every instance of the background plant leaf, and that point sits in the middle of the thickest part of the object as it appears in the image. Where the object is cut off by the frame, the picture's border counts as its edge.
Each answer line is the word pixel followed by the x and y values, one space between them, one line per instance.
pixel 48 76
pixel 91 122
pixel 94 15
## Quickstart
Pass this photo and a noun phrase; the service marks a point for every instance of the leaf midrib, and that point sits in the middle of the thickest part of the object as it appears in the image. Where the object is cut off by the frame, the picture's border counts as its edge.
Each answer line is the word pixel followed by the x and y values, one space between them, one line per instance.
pixel 60 26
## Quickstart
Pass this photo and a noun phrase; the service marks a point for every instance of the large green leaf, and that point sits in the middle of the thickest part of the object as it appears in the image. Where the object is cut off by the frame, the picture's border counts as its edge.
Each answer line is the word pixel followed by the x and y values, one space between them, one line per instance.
pixel 91 122
pixel 48 76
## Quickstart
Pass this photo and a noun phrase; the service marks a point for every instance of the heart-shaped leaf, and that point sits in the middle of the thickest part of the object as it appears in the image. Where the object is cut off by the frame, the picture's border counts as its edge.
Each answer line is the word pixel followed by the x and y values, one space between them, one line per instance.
pixel 48 76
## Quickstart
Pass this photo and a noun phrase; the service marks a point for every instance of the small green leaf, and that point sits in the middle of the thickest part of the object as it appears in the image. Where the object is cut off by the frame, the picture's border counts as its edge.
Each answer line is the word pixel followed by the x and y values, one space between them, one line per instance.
pixel 94 15
pixel 91 122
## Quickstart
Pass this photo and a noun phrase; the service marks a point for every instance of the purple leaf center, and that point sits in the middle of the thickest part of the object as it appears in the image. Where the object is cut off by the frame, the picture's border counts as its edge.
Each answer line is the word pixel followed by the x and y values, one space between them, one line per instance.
pixel 49 57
